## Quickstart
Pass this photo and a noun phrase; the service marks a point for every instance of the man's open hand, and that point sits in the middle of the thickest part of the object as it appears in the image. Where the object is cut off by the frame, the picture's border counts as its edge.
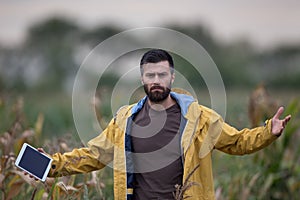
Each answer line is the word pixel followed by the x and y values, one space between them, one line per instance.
pixel 278 124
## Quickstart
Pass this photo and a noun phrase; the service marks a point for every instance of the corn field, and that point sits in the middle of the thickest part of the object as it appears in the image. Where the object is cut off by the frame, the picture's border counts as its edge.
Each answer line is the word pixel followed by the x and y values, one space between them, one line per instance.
pixel 273 173
pixel 14 184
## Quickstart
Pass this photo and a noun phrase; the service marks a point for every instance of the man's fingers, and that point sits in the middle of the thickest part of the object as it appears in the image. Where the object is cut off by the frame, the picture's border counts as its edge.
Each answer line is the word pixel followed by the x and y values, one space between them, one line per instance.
pixel 278 113
pixel 30 176
pixel 286 120
pixel 41 150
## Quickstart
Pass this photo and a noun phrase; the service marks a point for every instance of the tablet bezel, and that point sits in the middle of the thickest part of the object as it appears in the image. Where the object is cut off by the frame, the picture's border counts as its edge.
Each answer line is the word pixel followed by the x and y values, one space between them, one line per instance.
pixel 20 155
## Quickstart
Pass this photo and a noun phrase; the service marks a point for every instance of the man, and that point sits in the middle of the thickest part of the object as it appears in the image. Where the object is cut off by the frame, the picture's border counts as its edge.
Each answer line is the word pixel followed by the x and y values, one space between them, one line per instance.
pixel 160 141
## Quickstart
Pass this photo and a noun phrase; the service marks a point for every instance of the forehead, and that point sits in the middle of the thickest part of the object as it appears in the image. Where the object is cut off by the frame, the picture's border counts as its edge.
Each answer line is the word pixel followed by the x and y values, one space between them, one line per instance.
pixel 162 66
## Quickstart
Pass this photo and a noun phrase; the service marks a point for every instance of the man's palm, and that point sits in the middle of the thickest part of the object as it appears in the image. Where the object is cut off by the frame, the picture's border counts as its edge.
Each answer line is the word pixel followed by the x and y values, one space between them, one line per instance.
pixel 278 124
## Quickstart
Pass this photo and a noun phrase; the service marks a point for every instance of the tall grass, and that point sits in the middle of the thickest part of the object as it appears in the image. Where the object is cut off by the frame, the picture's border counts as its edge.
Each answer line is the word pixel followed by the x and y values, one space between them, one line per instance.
pixel 14 184
pixel 273 173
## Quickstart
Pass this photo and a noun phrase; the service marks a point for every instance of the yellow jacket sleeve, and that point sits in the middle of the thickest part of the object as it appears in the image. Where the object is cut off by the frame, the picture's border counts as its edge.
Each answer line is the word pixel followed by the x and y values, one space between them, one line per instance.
pixel 78 161
pixel 246 141
pixel 97 155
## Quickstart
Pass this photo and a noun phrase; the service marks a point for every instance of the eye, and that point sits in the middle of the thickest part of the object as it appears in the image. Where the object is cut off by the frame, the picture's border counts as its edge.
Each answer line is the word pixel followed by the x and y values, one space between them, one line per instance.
pixel 162 75
pixel 150 75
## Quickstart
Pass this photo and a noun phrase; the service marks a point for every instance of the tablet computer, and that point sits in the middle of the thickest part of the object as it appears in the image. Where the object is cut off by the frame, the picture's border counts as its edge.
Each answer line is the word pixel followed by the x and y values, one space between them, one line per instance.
pixel 33 162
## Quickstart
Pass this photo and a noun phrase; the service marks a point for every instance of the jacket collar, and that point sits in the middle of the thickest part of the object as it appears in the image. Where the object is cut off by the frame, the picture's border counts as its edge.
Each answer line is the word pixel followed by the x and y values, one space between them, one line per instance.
pixel 183 100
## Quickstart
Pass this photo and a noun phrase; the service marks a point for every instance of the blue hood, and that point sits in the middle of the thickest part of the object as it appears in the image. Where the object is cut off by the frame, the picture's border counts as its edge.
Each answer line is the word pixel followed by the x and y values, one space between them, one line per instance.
pixel 182 99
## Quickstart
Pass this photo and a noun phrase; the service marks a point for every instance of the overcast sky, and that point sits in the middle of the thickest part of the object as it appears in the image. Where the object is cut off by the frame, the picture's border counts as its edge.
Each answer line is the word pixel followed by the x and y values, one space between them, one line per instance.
pixel 263 22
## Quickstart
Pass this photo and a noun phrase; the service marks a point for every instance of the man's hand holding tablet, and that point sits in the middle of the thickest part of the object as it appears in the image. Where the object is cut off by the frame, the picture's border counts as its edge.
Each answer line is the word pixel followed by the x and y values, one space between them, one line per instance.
pixel 34 162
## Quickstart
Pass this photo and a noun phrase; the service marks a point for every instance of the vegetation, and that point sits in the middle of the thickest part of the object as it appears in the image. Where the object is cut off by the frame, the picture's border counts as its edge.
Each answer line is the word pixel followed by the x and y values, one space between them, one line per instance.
pixel 35 106
pixel 15 185
pixel 272 173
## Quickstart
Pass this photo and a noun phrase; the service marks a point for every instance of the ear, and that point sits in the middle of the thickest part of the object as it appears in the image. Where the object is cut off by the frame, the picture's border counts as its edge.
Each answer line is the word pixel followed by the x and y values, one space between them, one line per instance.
pixel 173 77
pixel 142 80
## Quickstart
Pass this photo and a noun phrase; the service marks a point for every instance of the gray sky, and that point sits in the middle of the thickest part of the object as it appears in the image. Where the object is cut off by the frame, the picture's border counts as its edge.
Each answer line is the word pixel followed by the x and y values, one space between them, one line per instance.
pixel 263 22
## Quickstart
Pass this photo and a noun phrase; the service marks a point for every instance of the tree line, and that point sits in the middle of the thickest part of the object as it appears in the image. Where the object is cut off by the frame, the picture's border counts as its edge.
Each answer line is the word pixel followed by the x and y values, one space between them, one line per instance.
pixel 53 50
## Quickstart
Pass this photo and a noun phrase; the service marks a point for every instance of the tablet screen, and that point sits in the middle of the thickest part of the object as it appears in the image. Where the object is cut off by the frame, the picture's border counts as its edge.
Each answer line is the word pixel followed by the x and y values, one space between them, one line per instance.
pixel 34 162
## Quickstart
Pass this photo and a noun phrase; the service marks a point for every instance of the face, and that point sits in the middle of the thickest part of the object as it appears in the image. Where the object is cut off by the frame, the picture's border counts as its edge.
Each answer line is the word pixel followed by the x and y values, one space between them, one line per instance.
pixel 157 80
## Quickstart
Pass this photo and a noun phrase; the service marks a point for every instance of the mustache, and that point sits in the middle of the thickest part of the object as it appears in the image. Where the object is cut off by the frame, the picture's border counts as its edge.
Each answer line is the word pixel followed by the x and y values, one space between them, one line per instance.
pixel 156 87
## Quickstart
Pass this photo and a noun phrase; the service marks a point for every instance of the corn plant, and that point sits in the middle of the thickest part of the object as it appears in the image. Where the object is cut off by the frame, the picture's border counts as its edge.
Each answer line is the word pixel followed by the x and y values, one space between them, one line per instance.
pixel 279 163
pixel 14 184
pixel 187 184
pixel 271 173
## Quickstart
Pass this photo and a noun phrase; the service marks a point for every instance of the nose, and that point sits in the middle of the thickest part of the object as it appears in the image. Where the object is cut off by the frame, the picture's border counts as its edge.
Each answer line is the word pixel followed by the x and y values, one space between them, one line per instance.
pixel 156 79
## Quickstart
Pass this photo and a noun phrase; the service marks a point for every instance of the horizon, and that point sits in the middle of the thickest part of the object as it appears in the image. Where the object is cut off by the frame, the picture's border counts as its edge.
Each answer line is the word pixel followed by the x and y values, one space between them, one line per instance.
pixel 264 24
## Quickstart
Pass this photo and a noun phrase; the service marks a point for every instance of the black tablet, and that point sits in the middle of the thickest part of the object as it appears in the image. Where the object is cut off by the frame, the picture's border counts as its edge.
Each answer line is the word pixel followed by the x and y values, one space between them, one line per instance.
pixel 34 162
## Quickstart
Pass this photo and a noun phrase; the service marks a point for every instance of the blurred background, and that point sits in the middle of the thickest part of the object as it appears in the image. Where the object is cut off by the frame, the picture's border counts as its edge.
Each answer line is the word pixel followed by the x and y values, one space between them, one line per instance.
pixel 255 45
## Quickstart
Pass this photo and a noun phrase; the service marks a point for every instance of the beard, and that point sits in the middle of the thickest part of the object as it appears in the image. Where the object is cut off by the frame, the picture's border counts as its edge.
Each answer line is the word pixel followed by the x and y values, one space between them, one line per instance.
pixel 157 96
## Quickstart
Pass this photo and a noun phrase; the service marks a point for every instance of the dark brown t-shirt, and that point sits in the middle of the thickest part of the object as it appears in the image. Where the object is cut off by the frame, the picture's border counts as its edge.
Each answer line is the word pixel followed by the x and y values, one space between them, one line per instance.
pixel 156 146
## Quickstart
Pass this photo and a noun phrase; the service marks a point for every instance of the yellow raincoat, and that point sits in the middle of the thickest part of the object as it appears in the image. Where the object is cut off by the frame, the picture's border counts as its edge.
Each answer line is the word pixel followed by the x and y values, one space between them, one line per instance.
pixel 202 131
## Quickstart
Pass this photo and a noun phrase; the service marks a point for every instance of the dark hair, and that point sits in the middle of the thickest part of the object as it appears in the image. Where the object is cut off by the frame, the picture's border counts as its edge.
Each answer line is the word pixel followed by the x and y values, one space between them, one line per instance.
pixel 155 56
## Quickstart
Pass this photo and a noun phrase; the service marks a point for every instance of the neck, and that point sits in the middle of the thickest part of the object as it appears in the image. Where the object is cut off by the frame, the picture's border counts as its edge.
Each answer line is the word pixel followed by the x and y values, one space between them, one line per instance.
pixel 163 105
